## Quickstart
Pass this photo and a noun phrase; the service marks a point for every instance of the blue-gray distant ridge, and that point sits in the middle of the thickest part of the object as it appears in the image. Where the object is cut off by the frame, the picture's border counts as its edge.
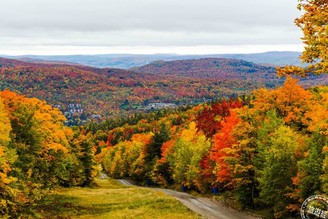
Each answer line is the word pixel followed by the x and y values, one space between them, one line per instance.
pixel 126 61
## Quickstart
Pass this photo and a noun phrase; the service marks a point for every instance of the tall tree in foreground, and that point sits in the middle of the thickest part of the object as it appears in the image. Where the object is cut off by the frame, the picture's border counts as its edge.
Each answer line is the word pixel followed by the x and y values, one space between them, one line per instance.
pixel 83 144
pixel 153 149
pixel 314 24
pixel 36 154
pixel 241 158
pixel 7 193
pixel 188 152
pixel 223 141
pixel 280 166
pixel 39 138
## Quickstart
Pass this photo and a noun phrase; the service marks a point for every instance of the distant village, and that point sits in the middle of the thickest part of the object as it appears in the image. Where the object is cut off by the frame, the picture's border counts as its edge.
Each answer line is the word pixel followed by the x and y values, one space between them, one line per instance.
pixel 76 115
pixel 156 106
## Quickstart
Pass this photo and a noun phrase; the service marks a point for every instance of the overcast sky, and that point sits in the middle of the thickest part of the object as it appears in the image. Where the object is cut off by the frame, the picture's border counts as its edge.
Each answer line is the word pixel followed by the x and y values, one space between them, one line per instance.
pixel 147 26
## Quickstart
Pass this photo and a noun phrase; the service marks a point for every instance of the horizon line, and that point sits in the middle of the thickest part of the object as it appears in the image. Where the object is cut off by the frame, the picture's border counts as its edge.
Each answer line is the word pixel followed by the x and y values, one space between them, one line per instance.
pixel 150 54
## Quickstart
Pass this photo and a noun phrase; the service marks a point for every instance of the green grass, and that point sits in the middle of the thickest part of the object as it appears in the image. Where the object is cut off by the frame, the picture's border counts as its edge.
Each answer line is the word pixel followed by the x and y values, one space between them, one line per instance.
pixel 112 200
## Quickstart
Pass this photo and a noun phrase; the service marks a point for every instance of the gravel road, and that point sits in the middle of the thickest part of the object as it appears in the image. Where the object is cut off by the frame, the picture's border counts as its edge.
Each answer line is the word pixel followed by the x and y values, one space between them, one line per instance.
pixel 103 176
pixel 205 207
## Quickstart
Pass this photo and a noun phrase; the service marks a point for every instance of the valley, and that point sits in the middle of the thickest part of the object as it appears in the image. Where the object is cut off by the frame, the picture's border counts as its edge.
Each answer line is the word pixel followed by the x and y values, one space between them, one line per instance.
pixel 112 92
pixel 163 109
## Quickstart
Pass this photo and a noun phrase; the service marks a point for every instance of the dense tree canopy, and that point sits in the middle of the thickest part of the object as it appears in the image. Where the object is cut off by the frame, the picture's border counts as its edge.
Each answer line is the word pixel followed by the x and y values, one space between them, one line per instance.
pixel 270 152
pixel 38 153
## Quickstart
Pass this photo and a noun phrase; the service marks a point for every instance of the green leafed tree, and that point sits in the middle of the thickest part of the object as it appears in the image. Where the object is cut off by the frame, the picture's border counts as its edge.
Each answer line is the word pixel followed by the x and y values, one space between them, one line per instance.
pixel 279 167
pixel 7 157
pixel 189 150
pixel 153 149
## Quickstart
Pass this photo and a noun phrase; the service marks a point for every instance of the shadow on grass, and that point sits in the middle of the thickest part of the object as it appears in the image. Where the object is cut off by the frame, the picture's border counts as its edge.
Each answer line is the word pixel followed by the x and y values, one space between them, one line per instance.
pixel 64 206
pixel 58 206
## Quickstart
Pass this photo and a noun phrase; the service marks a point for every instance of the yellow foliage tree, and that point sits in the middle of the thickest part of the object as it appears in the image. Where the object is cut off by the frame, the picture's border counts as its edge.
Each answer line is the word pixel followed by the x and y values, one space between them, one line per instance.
pixel 6 159
pixel 314 24
pixel 4 140
pixel 291 102
pixel 39 137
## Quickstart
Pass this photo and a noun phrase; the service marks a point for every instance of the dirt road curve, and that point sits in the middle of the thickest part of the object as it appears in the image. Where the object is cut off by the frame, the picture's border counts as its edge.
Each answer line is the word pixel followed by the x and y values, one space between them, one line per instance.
pixel 206 207
pixel 103 176
pixel 125 182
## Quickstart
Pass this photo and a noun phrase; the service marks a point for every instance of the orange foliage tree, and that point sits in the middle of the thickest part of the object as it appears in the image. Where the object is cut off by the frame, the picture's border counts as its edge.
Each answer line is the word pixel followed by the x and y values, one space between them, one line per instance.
pixel 209 120
pixel 222 141
pixel 314 24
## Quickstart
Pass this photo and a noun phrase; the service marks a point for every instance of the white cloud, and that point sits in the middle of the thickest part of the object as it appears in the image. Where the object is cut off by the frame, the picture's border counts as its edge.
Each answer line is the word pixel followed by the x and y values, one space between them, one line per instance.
pixel 29 25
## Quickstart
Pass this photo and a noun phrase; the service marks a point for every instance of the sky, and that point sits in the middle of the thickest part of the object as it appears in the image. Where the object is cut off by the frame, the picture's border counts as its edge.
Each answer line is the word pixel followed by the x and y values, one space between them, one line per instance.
pixel 62 27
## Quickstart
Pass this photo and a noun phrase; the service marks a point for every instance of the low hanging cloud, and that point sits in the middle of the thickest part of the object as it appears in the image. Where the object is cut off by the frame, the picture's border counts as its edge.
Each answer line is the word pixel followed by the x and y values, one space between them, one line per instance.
pixel 153 23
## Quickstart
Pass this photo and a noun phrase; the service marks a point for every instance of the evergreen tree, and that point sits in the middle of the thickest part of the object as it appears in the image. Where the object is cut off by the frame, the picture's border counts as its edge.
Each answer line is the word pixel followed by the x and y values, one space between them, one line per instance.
pixel 153 149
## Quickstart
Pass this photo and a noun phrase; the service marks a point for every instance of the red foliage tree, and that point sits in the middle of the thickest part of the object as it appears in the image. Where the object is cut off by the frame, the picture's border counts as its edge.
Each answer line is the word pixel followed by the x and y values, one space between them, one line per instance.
pixel 209 120
pixel 221 142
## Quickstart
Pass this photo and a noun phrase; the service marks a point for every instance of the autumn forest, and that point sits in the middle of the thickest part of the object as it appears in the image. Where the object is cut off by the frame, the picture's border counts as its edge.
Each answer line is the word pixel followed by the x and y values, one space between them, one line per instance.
pixel 254 137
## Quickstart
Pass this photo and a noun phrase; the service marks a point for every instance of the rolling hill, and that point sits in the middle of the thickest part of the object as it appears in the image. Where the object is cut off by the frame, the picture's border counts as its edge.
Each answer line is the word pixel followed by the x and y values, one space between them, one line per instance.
pixel 218 68
pixel 224 69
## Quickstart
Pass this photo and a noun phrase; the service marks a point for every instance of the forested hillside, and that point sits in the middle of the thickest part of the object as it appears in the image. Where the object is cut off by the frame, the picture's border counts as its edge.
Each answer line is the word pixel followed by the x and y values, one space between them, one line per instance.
pixel 210 68
pixel 254 136
pixel 117 92
pixel 267 151
pixel 37 154
pixel 224 70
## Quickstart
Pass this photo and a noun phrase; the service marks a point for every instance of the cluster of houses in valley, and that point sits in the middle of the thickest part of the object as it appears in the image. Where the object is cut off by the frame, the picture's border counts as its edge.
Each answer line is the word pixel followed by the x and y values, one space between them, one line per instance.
pixel 154 106
pixel 73 109
pixel 74 114
pixel 161 105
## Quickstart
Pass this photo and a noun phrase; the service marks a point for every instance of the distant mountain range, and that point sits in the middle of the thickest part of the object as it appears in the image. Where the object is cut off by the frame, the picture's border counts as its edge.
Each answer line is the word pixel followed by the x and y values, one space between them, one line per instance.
pixel 126 61
pixel 111 91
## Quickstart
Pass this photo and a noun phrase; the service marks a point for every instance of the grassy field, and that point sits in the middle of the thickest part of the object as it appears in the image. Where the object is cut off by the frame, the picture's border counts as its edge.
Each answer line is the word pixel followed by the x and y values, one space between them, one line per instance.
pixel 112 200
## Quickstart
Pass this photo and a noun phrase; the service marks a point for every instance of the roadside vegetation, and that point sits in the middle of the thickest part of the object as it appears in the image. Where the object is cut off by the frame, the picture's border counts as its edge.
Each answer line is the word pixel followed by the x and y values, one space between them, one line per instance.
pixel 109 199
